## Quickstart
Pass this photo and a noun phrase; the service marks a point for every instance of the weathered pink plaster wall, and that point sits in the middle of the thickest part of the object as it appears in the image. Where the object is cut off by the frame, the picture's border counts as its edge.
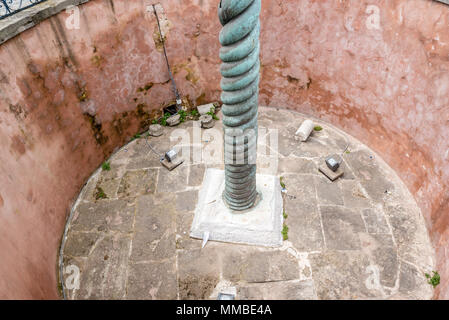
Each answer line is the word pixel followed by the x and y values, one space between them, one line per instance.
pixel 385 81
pixel 69 97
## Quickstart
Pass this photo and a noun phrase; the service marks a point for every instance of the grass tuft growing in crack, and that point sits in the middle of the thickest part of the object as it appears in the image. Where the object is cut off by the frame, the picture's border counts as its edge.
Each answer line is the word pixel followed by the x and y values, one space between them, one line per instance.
pixel 164 119
pixel 285 232
pixel 182 115
pixel 100 194
pixel 281 181
pixel 284 214
pixel 106 166
pixel 194 113
pixel 433 280
pixel 136 136
pixel 212 113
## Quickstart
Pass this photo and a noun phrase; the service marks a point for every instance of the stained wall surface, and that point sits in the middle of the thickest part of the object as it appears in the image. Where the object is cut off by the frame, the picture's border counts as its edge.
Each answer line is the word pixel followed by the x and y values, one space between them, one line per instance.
pixel 378 69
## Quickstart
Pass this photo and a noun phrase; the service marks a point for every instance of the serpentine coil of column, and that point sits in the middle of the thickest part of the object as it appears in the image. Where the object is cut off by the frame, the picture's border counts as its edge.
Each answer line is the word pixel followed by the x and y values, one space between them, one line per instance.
pixel 239 53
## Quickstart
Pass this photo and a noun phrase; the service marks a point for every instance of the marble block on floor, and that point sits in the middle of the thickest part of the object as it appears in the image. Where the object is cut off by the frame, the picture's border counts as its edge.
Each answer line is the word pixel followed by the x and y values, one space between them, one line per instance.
pixel 260 225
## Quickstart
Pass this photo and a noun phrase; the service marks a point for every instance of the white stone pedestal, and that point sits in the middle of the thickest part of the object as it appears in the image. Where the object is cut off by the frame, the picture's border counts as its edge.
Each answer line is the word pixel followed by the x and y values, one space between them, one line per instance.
pixel 261 225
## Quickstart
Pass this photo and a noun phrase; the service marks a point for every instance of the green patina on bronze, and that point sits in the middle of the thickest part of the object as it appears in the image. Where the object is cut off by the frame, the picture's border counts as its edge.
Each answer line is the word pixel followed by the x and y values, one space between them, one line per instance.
pixel 240 91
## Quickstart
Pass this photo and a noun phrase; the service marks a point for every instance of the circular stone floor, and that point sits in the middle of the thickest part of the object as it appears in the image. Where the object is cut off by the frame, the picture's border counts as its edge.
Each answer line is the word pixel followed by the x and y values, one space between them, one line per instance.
pixel 360 237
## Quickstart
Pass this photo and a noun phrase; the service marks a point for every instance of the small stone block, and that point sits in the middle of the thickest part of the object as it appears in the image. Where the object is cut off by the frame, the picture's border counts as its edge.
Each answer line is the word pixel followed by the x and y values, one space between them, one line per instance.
pixel 205 108
pixel 206 121
pixel 171 165
pixel 329 173
pixel 208 126
pixel 174 120
pixel 155 130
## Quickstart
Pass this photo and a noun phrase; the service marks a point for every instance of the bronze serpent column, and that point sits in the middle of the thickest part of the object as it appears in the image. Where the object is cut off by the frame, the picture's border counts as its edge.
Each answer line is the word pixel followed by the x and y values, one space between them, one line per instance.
pixel 239 53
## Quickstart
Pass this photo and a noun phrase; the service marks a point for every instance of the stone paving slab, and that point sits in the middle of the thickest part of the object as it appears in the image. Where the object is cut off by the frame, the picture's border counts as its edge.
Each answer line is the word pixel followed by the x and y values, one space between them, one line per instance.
pixel 198 273
pixel 342 227
pixel 360 237
pixel 305 227
pixel 260 266
pixel 285 290
pixel 154 234
pixel 152 281
pixel 341 275
pixel 104 215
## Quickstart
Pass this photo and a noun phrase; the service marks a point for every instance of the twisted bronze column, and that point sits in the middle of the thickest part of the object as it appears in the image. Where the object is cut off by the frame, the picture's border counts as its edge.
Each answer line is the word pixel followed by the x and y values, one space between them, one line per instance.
pixel 240 91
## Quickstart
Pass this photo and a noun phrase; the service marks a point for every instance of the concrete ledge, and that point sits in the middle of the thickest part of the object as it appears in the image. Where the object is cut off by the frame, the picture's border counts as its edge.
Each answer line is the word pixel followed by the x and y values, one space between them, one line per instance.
pixel 260 225
pixel 28 18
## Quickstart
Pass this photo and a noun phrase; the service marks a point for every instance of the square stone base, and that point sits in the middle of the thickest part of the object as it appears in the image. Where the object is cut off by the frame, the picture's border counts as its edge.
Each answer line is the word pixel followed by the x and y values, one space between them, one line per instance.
pixel 171 165
pixel 331 174
pixel 260 225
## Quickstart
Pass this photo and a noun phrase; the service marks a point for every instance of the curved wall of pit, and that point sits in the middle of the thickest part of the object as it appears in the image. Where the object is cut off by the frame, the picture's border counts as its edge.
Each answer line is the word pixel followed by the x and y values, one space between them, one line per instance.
pixel 378 69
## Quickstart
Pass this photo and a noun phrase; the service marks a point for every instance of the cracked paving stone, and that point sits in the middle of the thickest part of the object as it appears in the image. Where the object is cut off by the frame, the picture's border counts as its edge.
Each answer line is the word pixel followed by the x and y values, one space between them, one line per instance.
pixel 329 192
pixel 371 176
pixel 89 190
pixel 283 290
pixel 316 146
pixel 198 272
pixel 347 172
pixel 141 147
pixel 120 155
pixel 287 143
pixel 263 122
pixel 183 240
pixel 334 141
pixel 196 174
pixel 353 195
pixel 413 283
pixel 267 141
pixel 116 171
pixel 194 158
pixel 148 161
pixel 341 275
pixel 186 201
pixel 300 188
pixel 138 182
pixel 341 227
pixel 172 181
pixel 152 281
pixel 107 215
pixel 303 221
pixel 402 222
pixel 267 165
pixel 109 187
pixel 297 165
pixel 138 148
pixel 407 282
pixel 274 115
pixel 154 234
pixel 104 274
pixel 260 266
pixel 375 220
pixel 79 245
pixel 410 234
pixel 383 254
